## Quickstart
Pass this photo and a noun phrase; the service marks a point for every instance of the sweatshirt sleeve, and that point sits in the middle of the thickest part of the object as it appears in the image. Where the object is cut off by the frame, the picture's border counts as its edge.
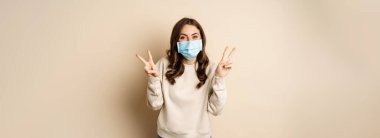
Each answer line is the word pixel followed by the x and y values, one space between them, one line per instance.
pixel 217 96
pixel 154 91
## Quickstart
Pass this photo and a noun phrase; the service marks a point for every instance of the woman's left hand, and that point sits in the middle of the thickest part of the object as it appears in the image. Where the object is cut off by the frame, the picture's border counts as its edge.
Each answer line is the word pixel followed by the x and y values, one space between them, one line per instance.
pixel 225 64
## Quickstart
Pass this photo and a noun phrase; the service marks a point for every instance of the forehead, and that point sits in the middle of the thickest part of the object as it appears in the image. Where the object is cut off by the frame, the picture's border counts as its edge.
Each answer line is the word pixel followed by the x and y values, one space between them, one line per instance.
pixel 189 29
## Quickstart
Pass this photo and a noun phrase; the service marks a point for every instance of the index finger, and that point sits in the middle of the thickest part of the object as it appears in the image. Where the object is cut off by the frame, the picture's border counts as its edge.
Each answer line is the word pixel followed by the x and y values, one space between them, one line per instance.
pixel 225 52
pixel 150 56
pixel 142 59
pixel 231 53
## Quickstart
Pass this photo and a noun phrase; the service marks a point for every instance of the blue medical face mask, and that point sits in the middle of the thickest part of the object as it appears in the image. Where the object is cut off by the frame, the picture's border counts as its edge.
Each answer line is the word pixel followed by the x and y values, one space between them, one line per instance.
pixel 190 49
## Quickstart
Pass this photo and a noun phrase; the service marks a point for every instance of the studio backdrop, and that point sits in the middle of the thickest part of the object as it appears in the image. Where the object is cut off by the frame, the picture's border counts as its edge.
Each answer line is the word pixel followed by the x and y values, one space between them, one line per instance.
pixel 302 69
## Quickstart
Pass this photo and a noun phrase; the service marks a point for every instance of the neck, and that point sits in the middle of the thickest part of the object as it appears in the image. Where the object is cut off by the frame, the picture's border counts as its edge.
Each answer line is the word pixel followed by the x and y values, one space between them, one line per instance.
pixel 189 62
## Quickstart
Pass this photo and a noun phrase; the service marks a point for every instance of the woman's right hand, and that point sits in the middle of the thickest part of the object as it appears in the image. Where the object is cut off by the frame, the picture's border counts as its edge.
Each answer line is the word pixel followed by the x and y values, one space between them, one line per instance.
pixel 150 68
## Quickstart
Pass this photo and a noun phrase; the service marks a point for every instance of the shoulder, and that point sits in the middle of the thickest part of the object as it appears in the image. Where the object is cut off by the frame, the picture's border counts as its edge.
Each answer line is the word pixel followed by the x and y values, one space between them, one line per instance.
pixel 211 67
pixel 162 63
pixel 163 60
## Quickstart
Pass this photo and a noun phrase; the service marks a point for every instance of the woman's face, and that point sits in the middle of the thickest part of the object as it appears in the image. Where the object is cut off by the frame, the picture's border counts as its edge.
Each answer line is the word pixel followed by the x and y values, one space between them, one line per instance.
pixel 189 33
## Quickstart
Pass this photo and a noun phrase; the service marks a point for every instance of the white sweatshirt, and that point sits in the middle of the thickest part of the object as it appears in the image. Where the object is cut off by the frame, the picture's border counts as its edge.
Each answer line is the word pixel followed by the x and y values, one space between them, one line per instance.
pixel 184 108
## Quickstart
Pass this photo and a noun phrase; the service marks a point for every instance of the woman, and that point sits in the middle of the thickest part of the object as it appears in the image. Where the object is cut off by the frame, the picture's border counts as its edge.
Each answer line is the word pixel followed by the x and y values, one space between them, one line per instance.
pixel 184 86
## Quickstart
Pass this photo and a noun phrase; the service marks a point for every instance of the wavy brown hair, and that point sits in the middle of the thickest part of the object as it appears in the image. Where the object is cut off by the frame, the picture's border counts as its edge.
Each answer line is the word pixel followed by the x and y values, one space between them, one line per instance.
pixel 176 67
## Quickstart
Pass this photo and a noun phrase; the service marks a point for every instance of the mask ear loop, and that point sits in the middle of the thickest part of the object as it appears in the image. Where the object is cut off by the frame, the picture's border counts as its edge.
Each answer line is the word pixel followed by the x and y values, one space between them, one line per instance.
pixel 196 64
pixel 196 61
pixel 177 47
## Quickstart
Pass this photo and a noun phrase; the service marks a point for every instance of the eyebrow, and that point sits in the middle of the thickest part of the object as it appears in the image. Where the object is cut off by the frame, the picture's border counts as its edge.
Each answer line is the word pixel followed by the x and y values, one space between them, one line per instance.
pixel 191 34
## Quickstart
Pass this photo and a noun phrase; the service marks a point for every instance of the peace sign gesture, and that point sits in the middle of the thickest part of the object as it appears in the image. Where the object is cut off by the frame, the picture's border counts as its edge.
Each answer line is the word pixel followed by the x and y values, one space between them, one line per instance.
pixel 150 68
pixel 225 64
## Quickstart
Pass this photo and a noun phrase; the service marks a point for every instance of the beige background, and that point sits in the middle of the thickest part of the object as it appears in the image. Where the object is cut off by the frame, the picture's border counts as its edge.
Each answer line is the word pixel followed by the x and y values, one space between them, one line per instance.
pixel 302 69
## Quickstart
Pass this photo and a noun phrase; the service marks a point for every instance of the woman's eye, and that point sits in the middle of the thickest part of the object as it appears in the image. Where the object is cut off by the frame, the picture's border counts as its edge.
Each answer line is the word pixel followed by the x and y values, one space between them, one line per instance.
pixel 182 38
pixel 195 37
